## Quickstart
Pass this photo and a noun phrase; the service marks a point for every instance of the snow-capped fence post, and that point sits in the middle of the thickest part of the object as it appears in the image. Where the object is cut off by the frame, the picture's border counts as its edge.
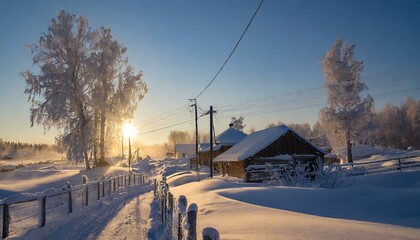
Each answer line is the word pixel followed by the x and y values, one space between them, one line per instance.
pixel 143 178
pixel 192 221
pixel 182 206
pixel 70 200
pixel 210 233
pixel 86 189
pixel 163 205
pixel 170 210
pixel 129 179
pixel 6 220
pixel 43 213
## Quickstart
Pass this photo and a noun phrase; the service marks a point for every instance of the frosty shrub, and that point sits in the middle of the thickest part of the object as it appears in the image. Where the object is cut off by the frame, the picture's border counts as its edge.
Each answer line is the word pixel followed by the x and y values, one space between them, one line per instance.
pixel 300 175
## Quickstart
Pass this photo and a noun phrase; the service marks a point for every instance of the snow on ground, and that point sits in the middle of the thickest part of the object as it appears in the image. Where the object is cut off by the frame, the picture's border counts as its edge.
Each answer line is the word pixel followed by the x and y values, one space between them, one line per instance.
pixel 377 206
pixel 382 206
pixel 125 215
pixel 39 177
pixel 368 152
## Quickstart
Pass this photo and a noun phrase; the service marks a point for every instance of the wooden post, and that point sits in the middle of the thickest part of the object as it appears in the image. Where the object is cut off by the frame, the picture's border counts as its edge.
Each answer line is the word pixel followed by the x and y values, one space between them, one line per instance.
pixel 211 142
pixel 109 186
pixel 155 187
pixel 113 183
pixel 182 206
pixel 99 189
pixel 170 201
pixel 192 221
pixel 6 220
pixel 399 164
pixel 163 205
pixel 87 195
pixel 43 216
pixel 70 200
pixel 210 233
pixel 103 187
pixel 129 179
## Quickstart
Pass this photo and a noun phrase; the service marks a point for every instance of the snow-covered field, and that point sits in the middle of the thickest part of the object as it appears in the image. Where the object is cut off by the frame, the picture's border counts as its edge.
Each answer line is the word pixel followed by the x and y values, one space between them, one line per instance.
pixel 382 206
pixel 377 206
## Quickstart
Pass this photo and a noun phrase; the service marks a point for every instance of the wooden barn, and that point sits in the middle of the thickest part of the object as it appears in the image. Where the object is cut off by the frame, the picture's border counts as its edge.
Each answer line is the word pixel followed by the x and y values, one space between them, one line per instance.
pixel 276 145
pixel 224 141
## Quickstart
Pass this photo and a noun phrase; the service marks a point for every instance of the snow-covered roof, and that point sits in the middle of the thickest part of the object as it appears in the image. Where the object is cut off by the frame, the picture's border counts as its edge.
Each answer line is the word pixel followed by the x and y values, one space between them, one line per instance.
pixel 185 148
pixel 215 148
pixel 230 137
pixel 255 142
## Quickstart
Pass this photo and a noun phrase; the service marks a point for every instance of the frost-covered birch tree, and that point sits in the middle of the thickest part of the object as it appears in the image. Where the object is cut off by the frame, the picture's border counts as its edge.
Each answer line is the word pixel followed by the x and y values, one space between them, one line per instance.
pixel 347 112
pixel 116 89
pixel 58 92
pixel 85 87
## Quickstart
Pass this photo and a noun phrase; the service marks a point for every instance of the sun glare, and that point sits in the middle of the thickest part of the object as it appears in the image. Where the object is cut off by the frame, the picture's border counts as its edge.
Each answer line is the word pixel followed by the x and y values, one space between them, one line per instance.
pixel 129 130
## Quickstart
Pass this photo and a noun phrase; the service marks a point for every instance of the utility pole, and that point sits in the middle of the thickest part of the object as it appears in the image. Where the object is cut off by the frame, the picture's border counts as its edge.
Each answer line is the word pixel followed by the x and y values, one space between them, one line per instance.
pixel 122 145
pixel 129 153
pixel 211 141
pixel 196 133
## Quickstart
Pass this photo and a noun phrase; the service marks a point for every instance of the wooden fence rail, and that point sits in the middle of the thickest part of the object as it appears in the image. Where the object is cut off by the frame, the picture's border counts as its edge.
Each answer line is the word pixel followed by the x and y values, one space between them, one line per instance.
pixel 38 210
pixel 384 165
pixel 186 218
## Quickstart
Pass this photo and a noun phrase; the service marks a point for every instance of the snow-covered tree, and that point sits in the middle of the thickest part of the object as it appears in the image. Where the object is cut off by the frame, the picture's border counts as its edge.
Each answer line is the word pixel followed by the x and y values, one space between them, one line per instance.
pixel 85 87
pixel 400 126
pixel 270 125
pixel 110 77
pixel 347 112
pixel 178 137
pixel 412 111
pixel 303 129
pixel 58 92
pixel 238 123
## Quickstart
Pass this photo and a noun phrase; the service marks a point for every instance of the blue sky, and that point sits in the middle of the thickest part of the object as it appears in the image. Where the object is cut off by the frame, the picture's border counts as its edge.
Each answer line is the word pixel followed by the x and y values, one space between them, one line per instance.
pixel 180 45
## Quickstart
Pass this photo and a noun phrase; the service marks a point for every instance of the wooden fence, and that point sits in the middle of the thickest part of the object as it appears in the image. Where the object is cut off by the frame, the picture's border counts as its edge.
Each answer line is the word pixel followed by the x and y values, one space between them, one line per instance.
pixel 179 222
pixel 385 165
pixel 36 211
pixel 264 172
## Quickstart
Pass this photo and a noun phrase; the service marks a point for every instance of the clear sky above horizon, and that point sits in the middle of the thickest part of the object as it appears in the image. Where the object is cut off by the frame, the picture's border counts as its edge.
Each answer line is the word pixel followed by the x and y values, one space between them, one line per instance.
pixel 274 75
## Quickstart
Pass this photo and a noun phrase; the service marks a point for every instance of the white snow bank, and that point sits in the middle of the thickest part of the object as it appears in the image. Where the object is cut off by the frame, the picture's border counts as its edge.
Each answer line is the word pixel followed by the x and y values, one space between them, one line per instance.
pixel 381 206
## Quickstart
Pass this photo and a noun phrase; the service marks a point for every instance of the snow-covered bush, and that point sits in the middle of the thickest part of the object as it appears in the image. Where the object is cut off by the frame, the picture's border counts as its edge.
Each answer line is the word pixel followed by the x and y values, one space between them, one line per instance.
pixel 307 175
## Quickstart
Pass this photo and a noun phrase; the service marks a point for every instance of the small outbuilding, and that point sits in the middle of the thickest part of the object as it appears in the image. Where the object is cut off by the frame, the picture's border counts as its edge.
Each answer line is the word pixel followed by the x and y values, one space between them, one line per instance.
pixel 268 146
pixel 224 141
pixel 184 150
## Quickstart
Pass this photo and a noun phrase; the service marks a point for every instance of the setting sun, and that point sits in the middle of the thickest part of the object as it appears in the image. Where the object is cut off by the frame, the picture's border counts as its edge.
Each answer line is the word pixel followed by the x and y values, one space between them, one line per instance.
pixel 129 130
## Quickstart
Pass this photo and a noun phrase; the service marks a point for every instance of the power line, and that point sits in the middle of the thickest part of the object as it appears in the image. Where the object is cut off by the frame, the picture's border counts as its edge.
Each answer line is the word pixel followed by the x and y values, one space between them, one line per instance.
pixel 233 50
pixel 305 98
pixel 162 128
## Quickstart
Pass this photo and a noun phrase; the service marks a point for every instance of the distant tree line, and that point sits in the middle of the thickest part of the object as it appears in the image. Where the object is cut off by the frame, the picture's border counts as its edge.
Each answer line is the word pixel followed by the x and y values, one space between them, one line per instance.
pixel 10 146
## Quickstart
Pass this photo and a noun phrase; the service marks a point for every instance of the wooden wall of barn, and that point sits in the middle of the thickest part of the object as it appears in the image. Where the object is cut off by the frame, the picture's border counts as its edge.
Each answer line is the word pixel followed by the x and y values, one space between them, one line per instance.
pixel 289 144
